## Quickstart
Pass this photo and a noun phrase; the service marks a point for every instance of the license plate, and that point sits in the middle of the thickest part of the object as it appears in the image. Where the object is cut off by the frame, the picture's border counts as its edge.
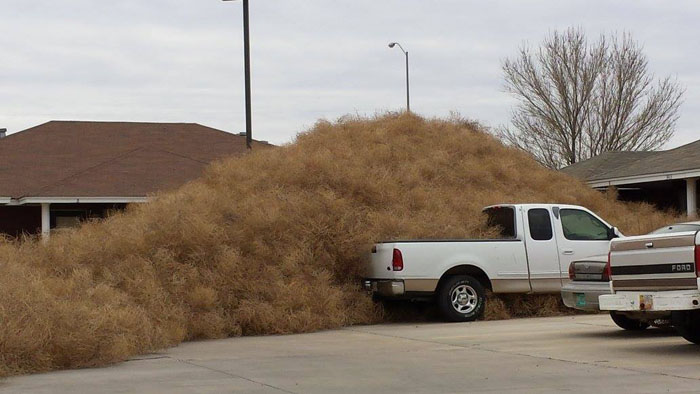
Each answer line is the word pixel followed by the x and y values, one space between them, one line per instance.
pixel 580 299
pixel 646 302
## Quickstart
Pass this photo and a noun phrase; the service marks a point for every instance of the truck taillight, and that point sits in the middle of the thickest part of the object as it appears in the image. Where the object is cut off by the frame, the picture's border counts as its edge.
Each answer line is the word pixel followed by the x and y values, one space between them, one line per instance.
pixel 572 271
pixel 397 261
pixel 607 271
pixel 697 260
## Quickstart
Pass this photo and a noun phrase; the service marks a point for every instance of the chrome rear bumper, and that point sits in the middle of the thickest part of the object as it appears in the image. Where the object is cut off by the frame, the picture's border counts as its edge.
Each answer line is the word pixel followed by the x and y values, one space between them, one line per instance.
pixel 659 301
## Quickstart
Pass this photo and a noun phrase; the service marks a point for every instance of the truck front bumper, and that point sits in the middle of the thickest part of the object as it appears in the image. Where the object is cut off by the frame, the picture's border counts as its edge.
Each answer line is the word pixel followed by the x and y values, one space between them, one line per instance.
pixel 651 301
pixel 385 287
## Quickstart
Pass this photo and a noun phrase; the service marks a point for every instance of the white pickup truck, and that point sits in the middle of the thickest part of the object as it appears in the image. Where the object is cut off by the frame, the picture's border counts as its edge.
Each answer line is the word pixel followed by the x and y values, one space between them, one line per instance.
pixel 537 244
pixel 657 276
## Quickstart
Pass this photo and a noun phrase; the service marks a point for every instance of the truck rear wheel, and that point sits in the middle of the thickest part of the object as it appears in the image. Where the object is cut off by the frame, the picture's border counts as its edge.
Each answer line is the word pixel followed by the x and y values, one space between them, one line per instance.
pixel 461 298
pixel 628 323
pixel 687 323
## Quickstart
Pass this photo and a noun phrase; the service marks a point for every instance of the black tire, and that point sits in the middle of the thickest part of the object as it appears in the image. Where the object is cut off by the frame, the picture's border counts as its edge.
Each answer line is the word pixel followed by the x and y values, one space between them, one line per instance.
pixel 470 298
pixel 628 323
pixel 687 323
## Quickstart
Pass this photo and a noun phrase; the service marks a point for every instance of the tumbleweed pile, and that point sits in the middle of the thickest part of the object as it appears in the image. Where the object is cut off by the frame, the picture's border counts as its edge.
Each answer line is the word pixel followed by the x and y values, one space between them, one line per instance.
pixel 270 243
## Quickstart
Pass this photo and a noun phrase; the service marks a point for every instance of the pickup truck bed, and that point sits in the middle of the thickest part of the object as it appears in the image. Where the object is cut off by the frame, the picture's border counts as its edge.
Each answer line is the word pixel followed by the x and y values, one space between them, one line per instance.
pixel 416 280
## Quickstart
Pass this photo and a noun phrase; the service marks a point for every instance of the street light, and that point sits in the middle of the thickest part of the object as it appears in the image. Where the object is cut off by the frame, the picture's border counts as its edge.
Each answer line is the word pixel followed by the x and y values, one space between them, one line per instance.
pixel 246 55
pixel 408 96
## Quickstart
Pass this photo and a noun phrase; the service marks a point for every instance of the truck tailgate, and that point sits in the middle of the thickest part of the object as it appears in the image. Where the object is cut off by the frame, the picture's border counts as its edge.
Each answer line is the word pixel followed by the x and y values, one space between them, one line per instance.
pixel 380 266
pixel 654 262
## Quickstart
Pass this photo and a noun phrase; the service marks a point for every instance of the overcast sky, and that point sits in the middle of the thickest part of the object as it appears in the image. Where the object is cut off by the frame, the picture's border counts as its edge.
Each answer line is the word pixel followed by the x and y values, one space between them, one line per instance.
pixel 181 60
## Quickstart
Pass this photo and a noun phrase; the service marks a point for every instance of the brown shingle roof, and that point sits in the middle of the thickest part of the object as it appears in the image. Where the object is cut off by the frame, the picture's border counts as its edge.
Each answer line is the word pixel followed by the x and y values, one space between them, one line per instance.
pixel 109 159
pixel 604 163
pixel 628 164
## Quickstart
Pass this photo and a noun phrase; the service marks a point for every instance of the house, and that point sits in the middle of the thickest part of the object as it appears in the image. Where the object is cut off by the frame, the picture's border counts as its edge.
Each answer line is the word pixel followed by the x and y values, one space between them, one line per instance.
pixel 56 174
pixel 668 179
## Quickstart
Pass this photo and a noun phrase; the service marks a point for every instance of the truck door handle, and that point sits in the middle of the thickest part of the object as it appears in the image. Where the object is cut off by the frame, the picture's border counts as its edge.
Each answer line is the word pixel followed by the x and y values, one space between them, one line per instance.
pixel 567 252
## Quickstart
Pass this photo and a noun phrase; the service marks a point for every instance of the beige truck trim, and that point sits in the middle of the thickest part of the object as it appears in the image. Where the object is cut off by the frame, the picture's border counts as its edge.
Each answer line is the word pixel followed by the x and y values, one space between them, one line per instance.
pixel 421 285
pixel 499 286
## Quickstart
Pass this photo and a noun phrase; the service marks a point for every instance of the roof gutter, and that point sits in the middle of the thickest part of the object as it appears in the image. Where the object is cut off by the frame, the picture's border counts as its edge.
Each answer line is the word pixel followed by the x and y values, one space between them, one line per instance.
pixel 5 200
pixel 661 176
pixel 76 200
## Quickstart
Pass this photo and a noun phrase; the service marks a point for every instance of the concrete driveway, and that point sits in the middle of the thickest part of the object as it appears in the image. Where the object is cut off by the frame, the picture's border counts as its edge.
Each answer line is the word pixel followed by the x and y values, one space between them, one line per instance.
pixel 573 354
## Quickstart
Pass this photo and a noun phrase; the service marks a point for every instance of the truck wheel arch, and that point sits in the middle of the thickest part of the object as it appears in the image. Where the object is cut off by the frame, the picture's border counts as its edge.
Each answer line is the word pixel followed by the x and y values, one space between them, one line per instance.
pixel 467 269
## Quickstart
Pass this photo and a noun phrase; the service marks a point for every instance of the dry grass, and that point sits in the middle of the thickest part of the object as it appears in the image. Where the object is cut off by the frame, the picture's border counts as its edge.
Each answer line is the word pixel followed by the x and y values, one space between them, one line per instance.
pixel 270 243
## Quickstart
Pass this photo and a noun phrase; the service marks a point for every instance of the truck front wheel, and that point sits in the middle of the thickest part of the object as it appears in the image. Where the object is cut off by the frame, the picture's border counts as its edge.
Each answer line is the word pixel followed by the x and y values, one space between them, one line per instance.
pixel 628 323
pixel 687 323
pixel 461 298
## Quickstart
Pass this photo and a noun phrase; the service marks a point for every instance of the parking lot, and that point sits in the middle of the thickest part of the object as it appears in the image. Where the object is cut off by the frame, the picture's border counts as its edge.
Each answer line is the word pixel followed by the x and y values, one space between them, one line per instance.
pixel 573 354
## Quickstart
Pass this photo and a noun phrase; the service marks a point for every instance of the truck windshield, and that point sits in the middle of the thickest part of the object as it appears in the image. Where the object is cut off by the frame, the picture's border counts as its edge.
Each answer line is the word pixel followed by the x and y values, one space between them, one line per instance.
pixel 502 218
pixel 677 228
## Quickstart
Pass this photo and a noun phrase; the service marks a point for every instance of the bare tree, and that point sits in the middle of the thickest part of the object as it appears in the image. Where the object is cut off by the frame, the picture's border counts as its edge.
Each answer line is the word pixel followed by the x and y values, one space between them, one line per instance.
pixel 577 99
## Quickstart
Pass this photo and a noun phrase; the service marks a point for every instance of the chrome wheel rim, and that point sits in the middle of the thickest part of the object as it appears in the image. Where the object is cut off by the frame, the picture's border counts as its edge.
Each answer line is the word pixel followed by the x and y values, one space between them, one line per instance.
pixel 463 299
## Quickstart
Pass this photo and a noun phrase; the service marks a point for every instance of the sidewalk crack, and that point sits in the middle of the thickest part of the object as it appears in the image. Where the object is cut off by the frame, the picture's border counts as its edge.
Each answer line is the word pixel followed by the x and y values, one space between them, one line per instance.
pixel 233 375
pixel 480 347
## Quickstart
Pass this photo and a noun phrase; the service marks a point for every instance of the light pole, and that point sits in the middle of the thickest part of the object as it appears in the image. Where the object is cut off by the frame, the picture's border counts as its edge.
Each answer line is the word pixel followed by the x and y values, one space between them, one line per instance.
pixel 408 95
pixel 246 55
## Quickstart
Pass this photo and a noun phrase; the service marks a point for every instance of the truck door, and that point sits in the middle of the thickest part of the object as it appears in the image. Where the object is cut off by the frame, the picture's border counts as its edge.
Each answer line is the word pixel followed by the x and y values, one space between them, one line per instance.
pixel 579 235
pixel 542 254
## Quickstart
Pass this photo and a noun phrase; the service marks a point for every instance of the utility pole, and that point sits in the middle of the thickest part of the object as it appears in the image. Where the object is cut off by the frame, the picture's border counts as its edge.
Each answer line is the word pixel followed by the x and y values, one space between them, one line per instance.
pixel 246 56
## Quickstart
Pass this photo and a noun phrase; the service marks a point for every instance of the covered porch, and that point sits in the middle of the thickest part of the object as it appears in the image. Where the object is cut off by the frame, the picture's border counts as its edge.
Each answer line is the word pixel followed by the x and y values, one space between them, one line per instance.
pixel 666 191
pixel 41 216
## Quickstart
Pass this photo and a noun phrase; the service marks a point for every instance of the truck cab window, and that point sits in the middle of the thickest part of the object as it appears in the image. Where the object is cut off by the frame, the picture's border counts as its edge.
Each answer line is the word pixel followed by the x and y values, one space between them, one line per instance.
pixel 502 218
pixel 582 226
pixel 540 224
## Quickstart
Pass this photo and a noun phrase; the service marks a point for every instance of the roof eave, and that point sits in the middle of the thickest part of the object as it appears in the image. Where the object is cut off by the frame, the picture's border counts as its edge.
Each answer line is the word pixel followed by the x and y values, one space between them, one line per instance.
pixel 77 200
pixel 656 177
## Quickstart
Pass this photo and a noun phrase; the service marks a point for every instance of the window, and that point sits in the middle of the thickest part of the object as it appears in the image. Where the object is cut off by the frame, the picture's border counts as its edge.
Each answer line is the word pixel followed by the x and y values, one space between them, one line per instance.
pixel 540 224
pixel 582 226
pixel 67 218
pixel 67 221
pixel 503 218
